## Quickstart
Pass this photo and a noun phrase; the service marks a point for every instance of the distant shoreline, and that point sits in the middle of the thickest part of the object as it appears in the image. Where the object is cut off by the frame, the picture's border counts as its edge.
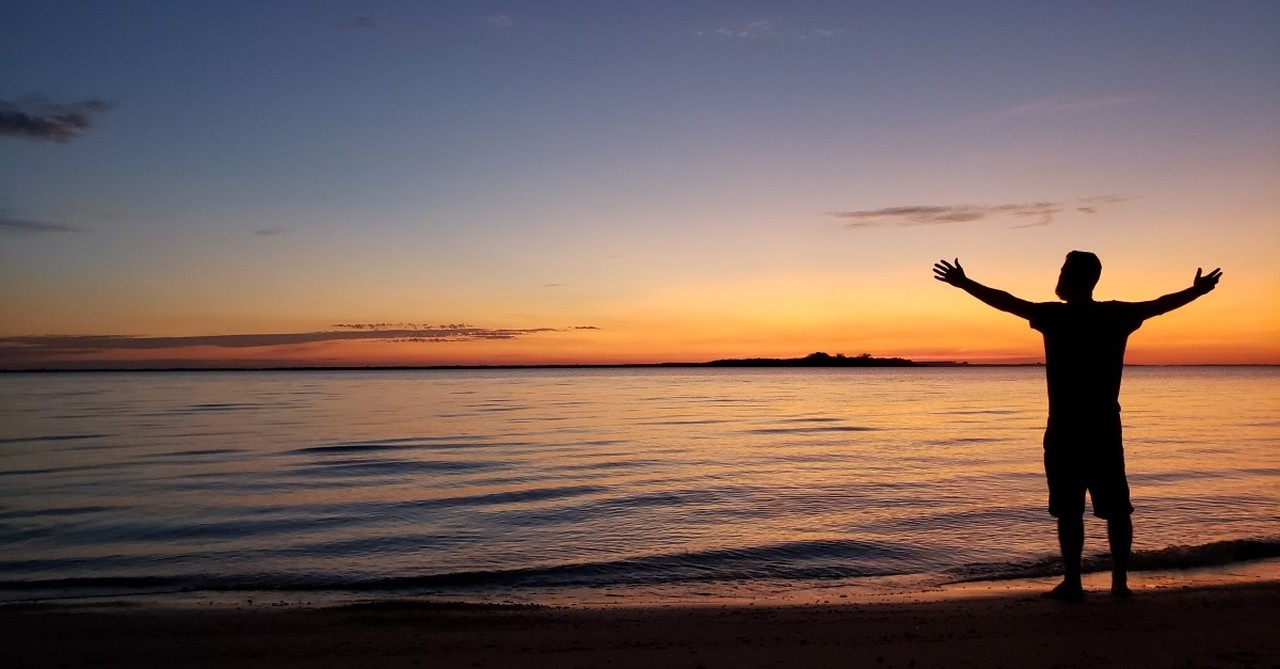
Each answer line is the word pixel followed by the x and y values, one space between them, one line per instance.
pixel 838 362
pixel 409 368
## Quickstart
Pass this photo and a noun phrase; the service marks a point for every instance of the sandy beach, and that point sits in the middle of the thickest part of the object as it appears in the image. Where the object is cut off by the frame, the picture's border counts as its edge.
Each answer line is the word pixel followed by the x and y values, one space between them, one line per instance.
pixel 1217 625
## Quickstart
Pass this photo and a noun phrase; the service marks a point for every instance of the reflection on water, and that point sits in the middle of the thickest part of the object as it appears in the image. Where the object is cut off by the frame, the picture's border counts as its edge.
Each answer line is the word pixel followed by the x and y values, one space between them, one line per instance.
pixel 435 478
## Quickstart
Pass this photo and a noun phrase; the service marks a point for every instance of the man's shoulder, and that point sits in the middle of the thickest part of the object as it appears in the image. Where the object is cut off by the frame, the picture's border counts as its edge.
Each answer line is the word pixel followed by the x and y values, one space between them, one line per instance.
pixel 1044 314
pixel 1109 315
pixel 1123 310
pixel 1047 314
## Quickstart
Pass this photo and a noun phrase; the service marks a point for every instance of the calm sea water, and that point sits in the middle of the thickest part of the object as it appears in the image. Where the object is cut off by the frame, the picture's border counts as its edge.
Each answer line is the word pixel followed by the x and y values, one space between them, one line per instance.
pixel 519 480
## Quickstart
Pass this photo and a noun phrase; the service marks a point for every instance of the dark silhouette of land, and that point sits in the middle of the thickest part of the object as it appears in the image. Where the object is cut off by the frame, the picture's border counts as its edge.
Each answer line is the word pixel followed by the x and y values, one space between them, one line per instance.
pixel 818 359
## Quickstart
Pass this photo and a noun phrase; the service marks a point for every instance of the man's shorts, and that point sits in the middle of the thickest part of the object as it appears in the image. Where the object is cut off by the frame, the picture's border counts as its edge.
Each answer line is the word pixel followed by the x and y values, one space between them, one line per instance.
pixel 1086 454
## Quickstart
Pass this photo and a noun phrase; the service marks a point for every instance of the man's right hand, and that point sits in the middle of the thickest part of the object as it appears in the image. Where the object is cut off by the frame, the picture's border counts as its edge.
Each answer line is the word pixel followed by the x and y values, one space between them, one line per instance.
pixel 1207 282
pixel 954 274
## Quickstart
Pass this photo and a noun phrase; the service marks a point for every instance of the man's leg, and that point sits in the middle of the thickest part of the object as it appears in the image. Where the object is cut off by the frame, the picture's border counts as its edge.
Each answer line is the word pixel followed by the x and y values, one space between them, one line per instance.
pixel 1066 503
pixel 1110 490
pixel 1071 543
pixel 1120 535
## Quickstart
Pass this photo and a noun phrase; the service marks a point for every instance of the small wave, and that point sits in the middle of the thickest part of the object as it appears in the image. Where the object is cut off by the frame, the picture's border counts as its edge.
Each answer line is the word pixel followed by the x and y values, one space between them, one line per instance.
pixel 130 583
pixel 1212 554
pixel 357 447
pixel 364 467
pixel 500 408
pixel 203 451
pixel 686 421
pixel 813 560
pixel 796 560
pixel 610 465
pixel 529 495
pixel 961 440
pixel 219 406
pixel 405 443
pixel 1207 555
pixel 812 430
pixel 54 512
pixel 109 466
pixel 51 437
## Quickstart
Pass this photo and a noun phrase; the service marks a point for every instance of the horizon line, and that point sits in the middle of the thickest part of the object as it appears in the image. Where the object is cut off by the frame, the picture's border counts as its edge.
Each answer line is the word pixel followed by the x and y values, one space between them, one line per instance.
pixel 938 364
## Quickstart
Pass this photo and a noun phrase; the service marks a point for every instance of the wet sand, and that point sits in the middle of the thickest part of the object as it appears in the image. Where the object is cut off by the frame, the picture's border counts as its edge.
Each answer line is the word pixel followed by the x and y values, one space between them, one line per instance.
pixel 1222 625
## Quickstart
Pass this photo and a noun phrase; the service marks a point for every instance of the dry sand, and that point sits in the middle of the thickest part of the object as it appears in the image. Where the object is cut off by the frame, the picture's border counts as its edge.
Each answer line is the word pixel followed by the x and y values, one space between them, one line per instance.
pixel 1224 625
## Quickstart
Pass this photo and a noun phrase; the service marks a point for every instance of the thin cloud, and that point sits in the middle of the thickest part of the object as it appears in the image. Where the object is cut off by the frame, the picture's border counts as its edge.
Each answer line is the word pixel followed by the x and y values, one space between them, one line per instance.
pixel 24 226
pixel 501 21
pixel 401 326
pixel 39 121
pixel 1105 199
pixel 1044 213
pixel 1091 205
pixel 358 23
pixel 1054 105
pixel 1061 103
pixel 753 30
pixel 37 347
pixel 764 29
pixel 943 214
pixel 269 232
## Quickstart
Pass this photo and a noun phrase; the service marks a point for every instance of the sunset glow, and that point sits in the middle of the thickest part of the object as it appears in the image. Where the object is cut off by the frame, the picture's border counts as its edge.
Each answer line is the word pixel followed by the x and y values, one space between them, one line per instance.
pixel 458 183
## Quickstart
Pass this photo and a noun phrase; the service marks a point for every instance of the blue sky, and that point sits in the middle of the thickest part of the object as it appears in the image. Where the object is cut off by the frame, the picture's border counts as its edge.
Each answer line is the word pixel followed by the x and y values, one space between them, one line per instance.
pixel 281 166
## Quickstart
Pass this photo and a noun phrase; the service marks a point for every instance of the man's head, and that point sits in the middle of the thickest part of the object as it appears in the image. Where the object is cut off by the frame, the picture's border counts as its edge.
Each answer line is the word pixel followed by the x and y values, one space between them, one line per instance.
pixel 1078 277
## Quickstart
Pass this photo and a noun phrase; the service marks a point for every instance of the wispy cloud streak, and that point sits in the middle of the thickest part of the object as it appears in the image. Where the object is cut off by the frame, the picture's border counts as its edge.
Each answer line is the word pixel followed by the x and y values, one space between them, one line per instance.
pixel 764 29
pixel 23 226
pixel 918 215
pixel 1054 105
pixel 48 346
pixel 1061 103
pixel 358 23
pixel 501 21
pixel 47 122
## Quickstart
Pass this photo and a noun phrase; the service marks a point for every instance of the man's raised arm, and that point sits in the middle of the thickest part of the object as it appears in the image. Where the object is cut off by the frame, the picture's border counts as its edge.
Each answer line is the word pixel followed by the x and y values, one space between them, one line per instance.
pixel 1201 285
pixel 954 275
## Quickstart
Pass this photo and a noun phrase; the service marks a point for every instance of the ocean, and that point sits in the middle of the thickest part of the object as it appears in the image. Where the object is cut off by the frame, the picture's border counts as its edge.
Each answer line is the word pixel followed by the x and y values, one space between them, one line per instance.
pixel 517 484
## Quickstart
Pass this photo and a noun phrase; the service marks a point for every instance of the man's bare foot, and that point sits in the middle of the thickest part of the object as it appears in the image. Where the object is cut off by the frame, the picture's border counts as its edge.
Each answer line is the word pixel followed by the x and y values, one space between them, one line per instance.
pixel 1065 592
pixel 1120 591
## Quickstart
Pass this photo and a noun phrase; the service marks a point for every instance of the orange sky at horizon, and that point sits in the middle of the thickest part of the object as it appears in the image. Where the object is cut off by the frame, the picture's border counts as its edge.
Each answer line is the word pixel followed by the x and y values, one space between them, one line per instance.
pixel 1212 330
pixel 888 311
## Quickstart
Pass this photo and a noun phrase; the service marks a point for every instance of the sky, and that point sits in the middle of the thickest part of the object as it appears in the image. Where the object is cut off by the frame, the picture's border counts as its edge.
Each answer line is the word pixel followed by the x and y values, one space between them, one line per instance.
pixel 432 183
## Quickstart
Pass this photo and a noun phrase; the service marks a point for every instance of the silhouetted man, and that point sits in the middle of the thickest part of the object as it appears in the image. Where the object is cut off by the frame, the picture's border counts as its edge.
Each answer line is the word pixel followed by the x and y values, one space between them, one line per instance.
pixel 1084 345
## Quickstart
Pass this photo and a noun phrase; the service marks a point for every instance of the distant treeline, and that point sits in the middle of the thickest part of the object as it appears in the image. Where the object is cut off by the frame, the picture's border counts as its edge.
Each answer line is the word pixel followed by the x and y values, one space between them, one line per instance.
pixel 818 359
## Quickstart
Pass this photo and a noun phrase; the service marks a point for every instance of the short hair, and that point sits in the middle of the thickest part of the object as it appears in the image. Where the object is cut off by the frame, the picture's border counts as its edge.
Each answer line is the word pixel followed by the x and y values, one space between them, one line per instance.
pixel 1082 270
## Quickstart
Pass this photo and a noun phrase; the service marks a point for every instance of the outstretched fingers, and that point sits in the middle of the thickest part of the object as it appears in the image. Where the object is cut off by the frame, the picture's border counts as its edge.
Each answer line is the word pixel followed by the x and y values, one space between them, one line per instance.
pixel 1207 279
pixel 947 272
